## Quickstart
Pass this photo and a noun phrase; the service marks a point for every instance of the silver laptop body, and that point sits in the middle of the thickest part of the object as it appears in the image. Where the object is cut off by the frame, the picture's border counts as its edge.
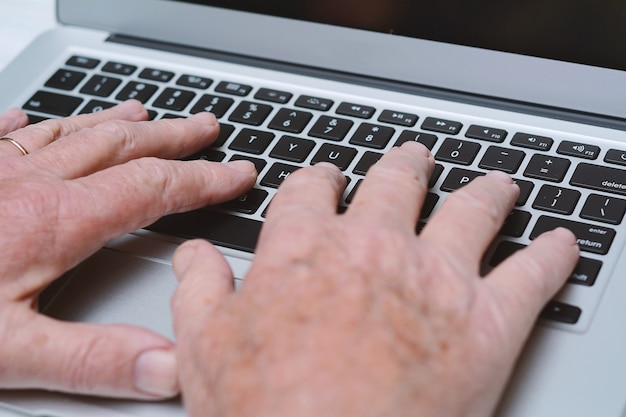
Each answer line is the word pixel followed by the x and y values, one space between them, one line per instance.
pixel 500 104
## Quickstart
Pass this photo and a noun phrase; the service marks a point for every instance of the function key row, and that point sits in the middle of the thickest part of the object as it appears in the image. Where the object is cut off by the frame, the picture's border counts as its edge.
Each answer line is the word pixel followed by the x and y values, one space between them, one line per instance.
pixel 102 86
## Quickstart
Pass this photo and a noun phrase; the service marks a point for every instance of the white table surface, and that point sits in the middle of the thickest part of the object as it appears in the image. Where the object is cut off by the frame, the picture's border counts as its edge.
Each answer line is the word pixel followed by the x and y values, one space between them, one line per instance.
pixel 21 22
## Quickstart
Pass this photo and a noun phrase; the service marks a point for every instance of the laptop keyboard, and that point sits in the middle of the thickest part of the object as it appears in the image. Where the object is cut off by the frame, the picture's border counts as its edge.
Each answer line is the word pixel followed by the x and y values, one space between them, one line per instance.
pixel 578 185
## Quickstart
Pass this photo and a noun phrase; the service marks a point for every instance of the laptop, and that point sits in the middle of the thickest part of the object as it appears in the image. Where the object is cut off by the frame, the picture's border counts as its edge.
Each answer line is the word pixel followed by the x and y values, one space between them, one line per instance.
pixel 534 89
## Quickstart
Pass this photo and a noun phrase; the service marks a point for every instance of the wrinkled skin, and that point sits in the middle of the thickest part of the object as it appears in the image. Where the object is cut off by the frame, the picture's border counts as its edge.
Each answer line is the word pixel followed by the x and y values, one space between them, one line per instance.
pixel 88 179
pixel 354 314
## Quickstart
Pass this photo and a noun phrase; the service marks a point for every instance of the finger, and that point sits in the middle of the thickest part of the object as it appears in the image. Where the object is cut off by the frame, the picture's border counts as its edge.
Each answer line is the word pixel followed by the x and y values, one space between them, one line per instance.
pixel 526 280
pixel 38 135
pixel 95 209
pixel 395 187
pixel 471 216
pixel 127 197
pixel 106 360
pixel 205 280
pixel 116 142
pixel 313 189
pixel 11 120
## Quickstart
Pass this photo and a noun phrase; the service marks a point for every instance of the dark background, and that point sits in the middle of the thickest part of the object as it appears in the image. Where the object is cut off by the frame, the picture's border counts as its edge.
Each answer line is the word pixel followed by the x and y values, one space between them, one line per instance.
pixel 590 32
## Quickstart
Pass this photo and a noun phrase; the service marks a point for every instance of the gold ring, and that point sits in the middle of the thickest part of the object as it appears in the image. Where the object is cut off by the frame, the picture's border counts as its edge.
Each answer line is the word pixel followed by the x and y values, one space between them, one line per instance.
pixel 17 145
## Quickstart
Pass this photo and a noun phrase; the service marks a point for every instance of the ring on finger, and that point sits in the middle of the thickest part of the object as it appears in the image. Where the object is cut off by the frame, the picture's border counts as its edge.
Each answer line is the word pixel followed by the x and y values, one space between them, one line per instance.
pixel 16 144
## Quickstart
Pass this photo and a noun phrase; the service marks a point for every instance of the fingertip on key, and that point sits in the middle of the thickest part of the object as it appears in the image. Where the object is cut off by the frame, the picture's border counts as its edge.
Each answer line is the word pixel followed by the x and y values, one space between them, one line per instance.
pixel 204 118
pixel 500 176
pixel 130 107
pixel 416 147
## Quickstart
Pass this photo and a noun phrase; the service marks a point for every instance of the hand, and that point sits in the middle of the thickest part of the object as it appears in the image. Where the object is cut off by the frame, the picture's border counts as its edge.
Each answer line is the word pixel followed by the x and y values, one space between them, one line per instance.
pixel 87 179
pixel 356 315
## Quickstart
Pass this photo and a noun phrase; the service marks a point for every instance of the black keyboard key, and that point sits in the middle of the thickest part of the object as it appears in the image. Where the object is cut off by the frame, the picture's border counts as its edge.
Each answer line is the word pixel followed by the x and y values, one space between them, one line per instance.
pixel 434 177
pixel 277 174
pixel 248 203
pixel 398 118
pixel 137 91
pixel 154 74
pixel 615 156
pixel 119 68
pixel 525 188
pixel 352 193
pixel 217 105
pixel 235 89
pixel 547 168
pixel 425 139
pixel 207 154
pixel 250 113
pixel 556 199
pixel 526 140
pixel 101 86
pixel 292 149
pixel 585 273
pixel 331 128
pixel 339 155
pixel 457 178
pixel 259 164
pixel 457 151
pixel 220 228
pixel 65 79
pixel 193 81
pixel 292 121
pixel 429 205
pixel 502 159
pixel 442 126
pixel 95 106
pixel 372 136
pixel 275 96
pixel 580 150
pixel 561 312
pixel 600 178
pixel 225 131
pixel 365 163
pixel 252 141
pixel 486 133
pixel 604 209
pixel 53 103
pixel 516 223
pixel 32 118
pixel 83 62
pixel 591 238
pixel 314 103
pixel 174 99
pixel 355 110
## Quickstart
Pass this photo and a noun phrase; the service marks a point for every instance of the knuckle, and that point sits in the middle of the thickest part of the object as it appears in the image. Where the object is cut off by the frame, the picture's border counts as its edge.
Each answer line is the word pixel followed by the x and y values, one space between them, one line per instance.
pixel 80 363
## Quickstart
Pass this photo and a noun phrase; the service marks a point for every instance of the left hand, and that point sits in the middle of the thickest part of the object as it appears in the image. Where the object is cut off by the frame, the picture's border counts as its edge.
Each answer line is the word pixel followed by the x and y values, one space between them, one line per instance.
pixel 86 180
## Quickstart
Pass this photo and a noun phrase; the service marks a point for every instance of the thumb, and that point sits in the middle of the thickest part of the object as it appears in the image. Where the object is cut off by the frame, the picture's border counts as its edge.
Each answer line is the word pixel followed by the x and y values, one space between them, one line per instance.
pixel 106 360
pixel 205 280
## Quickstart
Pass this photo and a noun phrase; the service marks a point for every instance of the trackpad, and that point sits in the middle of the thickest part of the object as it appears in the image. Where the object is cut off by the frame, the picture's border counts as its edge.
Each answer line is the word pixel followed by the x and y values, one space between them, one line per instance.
pixel 116 287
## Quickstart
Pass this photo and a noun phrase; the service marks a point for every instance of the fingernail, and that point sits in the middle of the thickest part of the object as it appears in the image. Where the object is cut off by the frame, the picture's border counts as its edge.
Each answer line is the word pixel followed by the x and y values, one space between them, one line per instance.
pixel 416 147
pixel 500 176
pixel 242 165
pixel 156 373
pixel 564 235
pixel 183 257
pixel 327 165
pixel 204 117
pixel 130 106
